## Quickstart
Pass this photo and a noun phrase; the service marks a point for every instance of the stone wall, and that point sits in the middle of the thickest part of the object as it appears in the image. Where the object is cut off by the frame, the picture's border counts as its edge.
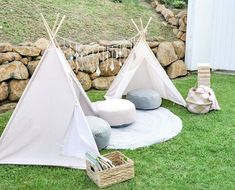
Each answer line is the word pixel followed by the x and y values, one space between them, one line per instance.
pixel 18 62
pixel 177 19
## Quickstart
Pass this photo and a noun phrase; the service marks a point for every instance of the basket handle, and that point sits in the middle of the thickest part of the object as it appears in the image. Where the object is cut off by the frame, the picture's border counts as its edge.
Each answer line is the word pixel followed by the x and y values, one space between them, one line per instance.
pixel 204 90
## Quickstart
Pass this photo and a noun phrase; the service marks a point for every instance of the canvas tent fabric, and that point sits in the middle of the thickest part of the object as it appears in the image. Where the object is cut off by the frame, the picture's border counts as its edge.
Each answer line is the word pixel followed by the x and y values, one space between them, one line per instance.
pixel 143 70
pixel 48 126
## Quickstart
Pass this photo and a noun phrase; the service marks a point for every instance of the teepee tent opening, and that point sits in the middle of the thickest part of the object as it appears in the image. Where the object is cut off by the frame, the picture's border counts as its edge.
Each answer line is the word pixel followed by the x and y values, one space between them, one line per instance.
pixel 143 70
pixel 48 126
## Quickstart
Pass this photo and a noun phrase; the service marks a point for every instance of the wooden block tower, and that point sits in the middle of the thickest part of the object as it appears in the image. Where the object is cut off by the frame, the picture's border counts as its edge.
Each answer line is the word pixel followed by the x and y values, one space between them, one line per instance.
pixel 204 74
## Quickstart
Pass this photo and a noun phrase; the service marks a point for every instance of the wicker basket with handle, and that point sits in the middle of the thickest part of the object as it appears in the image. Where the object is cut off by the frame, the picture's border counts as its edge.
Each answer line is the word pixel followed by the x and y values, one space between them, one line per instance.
pixel 123 170
pixel 197 102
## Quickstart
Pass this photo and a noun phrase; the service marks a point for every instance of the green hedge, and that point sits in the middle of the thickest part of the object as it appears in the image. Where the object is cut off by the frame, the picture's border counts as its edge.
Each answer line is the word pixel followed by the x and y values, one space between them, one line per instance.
pixel 175 3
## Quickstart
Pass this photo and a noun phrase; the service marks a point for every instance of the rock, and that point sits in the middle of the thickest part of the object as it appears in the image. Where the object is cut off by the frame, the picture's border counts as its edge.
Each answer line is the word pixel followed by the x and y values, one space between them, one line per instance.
pixel 27 43
pixel 27 50
pixel 4 91
pixel 181 14
pixel 155 51
pixel 17 88
pixel 119 52
pixel 69 53
pixel 164 23
pixel 88 63
pixel 153 44
pixel 73 65
pixel 117 43
pixel 38 58
pixel 180 21
pixel 166 53
pixel 175 31
pixel 167 14
pixel 121 61
pixel 9 56
pixel 179 48
pixel 32 66
pixel 85 80
pixel 179 34
pixel 183 37
pixel 88 49
pixel 102 83
pixel 17 56
pixel 104 55
pixel 176 69
pixel 30 58
pixel 24 61
pixel 5 47
pixel 42 43
pixel 185 19
pixel 42 52
pixel 13 70
pixel 160 8
pixel 154 4
pixel 182 27
pixel 7 107
pixel 173 21
pixel 160 39
pixel 94 76
pixel 106 70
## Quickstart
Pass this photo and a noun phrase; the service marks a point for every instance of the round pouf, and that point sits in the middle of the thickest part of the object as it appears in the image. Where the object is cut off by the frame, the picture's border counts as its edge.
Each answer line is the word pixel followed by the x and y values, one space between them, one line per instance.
pixel 101 131
pixel 144 99
pixel 117 112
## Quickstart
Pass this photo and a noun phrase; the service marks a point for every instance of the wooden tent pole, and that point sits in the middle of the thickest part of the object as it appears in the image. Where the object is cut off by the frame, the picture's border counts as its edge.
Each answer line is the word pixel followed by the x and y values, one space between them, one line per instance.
pixel 135 25
pixel 55 23
pixel 57 29
pixel 148 24
pixel 141 24
pixel 47 28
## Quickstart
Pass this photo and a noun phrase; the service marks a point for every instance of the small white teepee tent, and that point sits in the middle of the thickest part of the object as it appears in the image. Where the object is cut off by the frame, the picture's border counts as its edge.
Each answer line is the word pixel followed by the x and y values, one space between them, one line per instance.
pixel 48 126
pixel 143 70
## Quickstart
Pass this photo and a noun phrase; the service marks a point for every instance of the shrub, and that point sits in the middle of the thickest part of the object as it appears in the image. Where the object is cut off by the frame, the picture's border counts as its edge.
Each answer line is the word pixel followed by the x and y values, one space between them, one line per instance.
pixel 116 1
pixel 175 3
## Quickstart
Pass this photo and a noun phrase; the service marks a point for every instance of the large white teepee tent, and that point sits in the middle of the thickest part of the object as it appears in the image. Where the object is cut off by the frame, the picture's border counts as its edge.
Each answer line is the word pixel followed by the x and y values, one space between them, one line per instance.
pixel 143 70
pixel 48 126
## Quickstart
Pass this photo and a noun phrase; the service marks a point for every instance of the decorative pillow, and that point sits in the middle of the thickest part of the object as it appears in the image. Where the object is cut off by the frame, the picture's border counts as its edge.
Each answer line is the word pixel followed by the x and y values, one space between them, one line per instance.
pixel 101 131
pixel 144 99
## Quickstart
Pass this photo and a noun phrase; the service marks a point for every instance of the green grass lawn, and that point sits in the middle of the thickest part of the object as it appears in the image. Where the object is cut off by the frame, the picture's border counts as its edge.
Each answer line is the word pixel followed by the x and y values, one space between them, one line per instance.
pixel 86 20
pixel 202 156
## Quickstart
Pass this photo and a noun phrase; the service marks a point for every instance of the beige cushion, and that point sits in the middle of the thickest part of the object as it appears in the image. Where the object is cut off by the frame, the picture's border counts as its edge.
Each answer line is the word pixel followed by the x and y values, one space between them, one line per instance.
pixel 117 112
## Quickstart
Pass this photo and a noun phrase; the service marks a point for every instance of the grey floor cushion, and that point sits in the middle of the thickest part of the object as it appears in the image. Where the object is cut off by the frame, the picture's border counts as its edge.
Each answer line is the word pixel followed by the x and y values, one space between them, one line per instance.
pixel 144 99
pixel 101 131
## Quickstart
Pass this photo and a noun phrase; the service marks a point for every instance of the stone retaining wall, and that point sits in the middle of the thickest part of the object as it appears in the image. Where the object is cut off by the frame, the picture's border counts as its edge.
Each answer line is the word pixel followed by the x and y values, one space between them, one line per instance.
pixel 177 19
pixel 18 62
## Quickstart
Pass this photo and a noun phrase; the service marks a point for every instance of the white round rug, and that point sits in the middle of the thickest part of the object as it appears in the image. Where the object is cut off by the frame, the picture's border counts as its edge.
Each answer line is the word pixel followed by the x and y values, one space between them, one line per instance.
pixel 150 127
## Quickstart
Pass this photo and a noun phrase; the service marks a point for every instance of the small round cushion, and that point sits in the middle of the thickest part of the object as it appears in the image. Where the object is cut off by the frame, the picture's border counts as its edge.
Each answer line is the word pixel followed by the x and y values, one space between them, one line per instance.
pixel 101 131
pixel 117 112
pixel 144 99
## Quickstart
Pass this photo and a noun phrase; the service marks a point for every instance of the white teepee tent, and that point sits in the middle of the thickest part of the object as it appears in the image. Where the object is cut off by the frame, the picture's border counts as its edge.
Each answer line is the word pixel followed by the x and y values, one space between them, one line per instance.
pixel 143 70
pixel 48 126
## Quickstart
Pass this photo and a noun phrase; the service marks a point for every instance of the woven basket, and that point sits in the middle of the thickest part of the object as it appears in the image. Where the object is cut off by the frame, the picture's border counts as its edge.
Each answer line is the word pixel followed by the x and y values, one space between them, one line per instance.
pixel 123 170
pixel 195 107
pixel 197 102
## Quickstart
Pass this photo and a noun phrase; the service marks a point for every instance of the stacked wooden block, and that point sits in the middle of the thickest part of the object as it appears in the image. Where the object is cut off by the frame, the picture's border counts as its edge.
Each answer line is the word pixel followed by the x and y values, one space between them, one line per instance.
pixel 204 74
